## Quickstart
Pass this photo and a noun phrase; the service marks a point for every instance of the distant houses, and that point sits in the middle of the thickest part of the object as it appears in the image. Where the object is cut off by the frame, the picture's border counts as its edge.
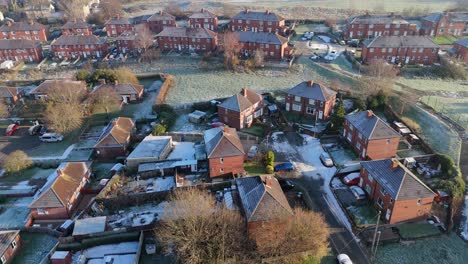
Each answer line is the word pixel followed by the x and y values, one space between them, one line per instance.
pixel 445 24
pixel 204 19
pixel 74 46
pixel 20 50
pixel 10 245
pixel 76 27
pixel 160 20
pixel 367 26
pixel 273 45
pixel 460 49
pixel 30 30
pixel 187 39
pixel 118 25
pixel 257 21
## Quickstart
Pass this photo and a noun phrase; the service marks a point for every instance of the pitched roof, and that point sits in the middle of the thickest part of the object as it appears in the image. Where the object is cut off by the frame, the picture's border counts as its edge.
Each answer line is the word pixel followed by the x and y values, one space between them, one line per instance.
pixel 9 44
pixel 127 35
pixel 401 41
pixel 256 15
pixel 8 92
pixel 119 21
pixel 58 192
pixel 76 24
pixel 123 88
pixel 399 182
pixel 6 237
pixel 367 19
pixel 262 37
pixel 186 33
pixel 371 127
pixel 117 132
pixel 44 87
pixel 222 142
pixel 78 40
pixel 312 90
pixel 451 16
pixel 161 15
pixel 21 26
pixel 203 14
pixel 262 198
pixel 241 101
pixel 463 42
pixel 434 17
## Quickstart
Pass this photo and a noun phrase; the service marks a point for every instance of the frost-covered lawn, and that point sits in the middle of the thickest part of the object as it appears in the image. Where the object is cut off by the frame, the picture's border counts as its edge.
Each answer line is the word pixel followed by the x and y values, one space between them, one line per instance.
pixel 445 249
pixel 455 108
pixel 433 84
pixel 32 173
pixel 35 247
pixel 415 230
pixel 256 130
pixel 13 217
pixel 343 156
pixel 363 215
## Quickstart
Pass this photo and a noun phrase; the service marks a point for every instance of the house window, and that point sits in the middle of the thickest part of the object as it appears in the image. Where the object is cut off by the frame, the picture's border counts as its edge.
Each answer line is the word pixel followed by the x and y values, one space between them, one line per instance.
pixel 13 244
pixel 384 50
pixel 380 202
pixel 311 101
pixel 382 191
pixel 359 136
pixel 419 201
pixel 321 103
pixel 221 160
pixel 371 179
pixel 297 98
pixel 371 25
pixel 368 189
pixel 391 201
pixel 221 170
pixel 310 110
pixel 296 107
pixel 371 50
pixel 387 25
pixel 249 119
pixel 41 211
pixel 390 49
pixel 388 141
pixel 3 259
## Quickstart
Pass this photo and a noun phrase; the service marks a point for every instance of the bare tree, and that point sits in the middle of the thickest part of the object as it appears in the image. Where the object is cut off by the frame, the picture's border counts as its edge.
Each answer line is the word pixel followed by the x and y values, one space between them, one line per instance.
pixel 380 69
pixel 125 75
pixel 229 10
pixel 111 8
pixel 73 8
pixel 71 93
pixel 199 231
pixel 174 9
pixel 259 58
pixel 105 99
pixel 16 161
pixel 331 23
pixel 232 47
pixel 144 37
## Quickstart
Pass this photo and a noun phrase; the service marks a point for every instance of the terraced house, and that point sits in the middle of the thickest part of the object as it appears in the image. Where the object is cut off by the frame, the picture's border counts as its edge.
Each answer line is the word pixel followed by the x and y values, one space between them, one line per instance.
pixel 76 27
pixel 204 19
pixel 20 50
pixel 240 110
pixel 401 49
pixel 10 245
pixel 255 21
pixel 160 20
pixel 445 24
pixel 273 45
pixel 371 137
pixel 396 191
pixel 74 46
pixel 311 99
pixel 59 197
pixel 362 27
pixel 118 25
pixel 24 30
pixel 460 49
pixel 187 39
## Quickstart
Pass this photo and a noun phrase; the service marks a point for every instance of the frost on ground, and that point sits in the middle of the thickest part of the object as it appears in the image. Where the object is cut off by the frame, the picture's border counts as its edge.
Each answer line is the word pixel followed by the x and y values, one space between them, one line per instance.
pixel 138 215
pixel 13 217
pixel 464 232
pixel 182 124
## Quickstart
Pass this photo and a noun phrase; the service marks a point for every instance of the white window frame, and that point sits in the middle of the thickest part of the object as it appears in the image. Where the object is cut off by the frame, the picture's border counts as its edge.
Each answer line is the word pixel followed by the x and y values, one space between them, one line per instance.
pixel 3 259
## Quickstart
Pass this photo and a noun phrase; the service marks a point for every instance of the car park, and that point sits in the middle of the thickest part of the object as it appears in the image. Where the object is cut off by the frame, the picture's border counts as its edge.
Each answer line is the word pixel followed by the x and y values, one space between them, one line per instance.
pixel 326 159
pixel 11 129
pixel 358 193
pixel 51 137
pixel 287 166
pixel 352 179
pixel 343 259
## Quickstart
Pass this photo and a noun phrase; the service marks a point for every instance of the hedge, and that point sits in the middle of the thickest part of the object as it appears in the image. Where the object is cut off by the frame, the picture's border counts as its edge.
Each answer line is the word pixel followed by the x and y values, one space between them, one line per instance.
pixel 96 241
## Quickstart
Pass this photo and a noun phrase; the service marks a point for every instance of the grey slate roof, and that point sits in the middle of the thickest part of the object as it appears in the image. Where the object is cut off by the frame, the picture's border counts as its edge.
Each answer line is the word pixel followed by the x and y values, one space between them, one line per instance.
pixel 76 24
pixel 399 182
pixel 401 41
pixel 366 19
pixel 203 14
pixel 462 42
pixel 240 102
pixel 262 37
pixel 452 16
pixel 6 237
pixel 222 142
pixel 186 33
pixel 371 127
pixel 256 15
pixel 22 26
pixel 119 21
pixel 262 201
pixel 8 44
pixel 161 15
pixel 78 40
pixel 316 91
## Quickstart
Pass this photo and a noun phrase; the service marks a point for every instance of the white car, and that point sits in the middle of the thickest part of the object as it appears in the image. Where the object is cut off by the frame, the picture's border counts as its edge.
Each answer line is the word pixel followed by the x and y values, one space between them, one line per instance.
pixel 51 137
pixel 344 259
pixel 326 160
pixel 252 152
pixel 313 57
pixel 358 193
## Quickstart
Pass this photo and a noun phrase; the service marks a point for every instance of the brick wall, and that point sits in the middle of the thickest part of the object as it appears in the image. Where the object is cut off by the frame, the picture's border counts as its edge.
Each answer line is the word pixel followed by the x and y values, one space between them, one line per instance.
pixel 158 26
pixel 274 51
pixel 77 31
pixel 11 252
pixel 26 55
pixel 110 152
pixel 117 30
pixel 36 36
pixel 211 23
pixel 404 55
pixel 238 120
pixel 257 26
pixel 234 165
pixel 185 43
pixel 364 31
pixel 462 52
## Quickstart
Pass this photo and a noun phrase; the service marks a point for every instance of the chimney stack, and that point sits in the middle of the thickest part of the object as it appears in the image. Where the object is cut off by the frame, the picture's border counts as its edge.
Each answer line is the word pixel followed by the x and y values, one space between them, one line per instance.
pixel 31 22
pixel 59 172
pixel 268 181
pixel 244 92
pixel 267 12
pixel 116 82
pixel 370 113
pixel 8 23
pixel 394 164
pixel 160 12
pixel 310 83
pixel 203 10
pixel 247 10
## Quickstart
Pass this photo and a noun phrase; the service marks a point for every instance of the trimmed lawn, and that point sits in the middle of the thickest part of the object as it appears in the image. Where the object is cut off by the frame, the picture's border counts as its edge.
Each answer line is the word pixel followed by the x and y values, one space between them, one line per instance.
pixel 256 130
pixel 363 215
pixel 447 40
pixel 254 168
pixel 296 118
pixel 417 230
pixel 35 247
pixel 444 249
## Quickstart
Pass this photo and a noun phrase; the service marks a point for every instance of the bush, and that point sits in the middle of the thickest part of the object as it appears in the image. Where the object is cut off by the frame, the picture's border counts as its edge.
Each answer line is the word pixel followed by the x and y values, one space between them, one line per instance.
pixel 411 124
pixel 159 129
pixel 269 169
pixel 453 180
pixel 16 162
pixel 270 158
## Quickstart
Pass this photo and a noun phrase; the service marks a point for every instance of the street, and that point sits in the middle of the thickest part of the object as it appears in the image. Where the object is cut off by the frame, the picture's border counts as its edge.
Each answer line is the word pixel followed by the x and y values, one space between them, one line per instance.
pixel 314 178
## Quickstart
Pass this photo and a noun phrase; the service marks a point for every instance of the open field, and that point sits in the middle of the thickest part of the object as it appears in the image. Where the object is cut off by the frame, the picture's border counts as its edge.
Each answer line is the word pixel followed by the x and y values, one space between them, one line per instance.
pixel 434 84
pixel 455 108
pixel 445 249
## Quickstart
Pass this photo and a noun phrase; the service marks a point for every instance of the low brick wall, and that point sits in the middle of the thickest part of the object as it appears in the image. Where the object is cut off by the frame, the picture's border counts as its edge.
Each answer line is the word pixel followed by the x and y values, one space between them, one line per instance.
pixel 167 80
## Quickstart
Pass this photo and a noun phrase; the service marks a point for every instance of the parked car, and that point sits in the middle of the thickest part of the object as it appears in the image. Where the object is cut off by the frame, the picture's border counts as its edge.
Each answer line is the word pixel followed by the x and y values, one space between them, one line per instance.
pixel 314 57
pixel 326 160
pixel 11 129
pixel 252 151
pixel 287 166
pixel 358 193
pixel 353 43
pixel 286 185
pixel 343 259
pixel 37 129
pixel 352 179
pixel 51 137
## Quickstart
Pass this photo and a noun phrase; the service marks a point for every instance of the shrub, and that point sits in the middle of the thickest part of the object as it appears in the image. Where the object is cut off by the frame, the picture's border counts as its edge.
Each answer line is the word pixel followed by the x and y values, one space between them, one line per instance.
pixel 270 158
pixel 411 124
pixel 269 169
pixel 159 129
pixel 16 162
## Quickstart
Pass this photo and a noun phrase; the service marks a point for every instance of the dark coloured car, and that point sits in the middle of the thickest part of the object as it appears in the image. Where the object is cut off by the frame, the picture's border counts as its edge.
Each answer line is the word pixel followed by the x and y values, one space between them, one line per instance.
pixel 287 166
pixel 286 185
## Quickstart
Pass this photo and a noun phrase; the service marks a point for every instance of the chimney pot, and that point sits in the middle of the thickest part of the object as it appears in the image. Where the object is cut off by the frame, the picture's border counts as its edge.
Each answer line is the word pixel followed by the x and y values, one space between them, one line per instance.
pixel 247 10
pixel 268 181
pixel 160 12
pixel 394 164
pixel 203 10
pixel 116 82
pixel 370 113
pixel 31 22
pixel 310 83
pixel 244 92
pixel 267 12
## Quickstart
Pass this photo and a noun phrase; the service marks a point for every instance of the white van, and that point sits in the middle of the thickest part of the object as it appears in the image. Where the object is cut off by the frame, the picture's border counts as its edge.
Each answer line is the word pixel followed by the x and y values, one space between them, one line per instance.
pixel 51 137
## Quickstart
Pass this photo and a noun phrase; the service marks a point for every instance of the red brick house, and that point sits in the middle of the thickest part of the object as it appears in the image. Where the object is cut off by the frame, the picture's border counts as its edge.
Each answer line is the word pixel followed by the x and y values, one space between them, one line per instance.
pixel 24 30
pixel 192 39
pixel 460 49
pixel 224 152
pixel 204 19
pixel 396 191
pixel 362 27
pixel 74 46
pixel 128 91
pixel 240 110
pixel 115 139
pixel 272 44
pixel 41 91
pixel 77 27
pixel 258 22
pixel 265 208
pixel 118 25
pixel 158 21
pixel 371 137
pixel 20 50
pixel 445 24
pixel 311 99
pixel 59 198
pixel 10 245
pixel 127 42
pixel 400 49
pixel 9 95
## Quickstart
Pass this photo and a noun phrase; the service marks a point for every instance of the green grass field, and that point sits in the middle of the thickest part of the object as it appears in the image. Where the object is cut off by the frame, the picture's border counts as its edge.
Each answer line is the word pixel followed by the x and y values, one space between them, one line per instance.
pixel 448 40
